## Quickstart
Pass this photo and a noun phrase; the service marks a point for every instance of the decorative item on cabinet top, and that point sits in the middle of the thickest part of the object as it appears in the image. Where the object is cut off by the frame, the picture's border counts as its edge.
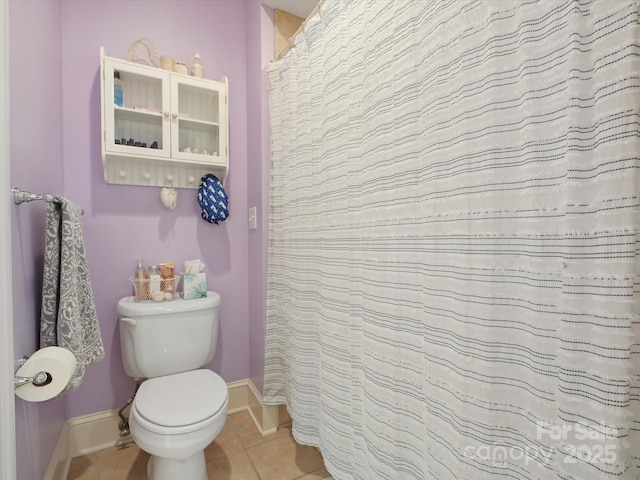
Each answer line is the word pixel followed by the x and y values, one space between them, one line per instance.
pixel 150 48
pixel 170 131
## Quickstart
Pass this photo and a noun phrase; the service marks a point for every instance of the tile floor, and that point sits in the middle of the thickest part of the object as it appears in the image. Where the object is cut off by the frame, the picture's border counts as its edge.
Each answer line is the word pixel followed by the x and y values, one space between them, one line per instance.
pixel 238 453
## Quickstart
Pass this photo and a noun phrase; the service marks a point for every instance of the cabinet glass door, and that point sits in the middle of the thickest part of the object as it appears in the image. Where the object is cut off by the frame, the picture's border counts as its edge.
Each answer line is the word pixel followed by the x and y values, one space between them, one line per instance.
pixel 141 125
pixel 196 130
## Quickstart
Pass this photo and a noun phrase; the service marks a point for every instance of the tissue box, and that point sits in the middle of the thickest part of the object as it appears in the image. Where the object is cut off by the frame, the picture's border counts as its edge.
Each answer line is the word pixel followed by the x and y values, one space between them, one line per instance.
pixel 194 285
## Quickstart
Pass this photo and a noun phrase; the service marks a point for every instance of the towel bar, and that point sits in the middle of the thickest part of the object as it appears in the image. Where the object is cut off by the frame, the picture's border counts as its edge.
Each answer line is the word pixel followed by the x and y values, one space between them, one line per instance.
pixel 21 196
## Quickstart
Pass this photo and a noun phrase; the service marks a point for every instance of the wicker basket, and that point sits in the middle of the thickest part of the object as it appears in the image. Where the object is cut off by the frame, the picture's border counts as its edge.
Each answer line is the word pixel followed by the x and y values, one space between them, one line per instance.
pixel 163 290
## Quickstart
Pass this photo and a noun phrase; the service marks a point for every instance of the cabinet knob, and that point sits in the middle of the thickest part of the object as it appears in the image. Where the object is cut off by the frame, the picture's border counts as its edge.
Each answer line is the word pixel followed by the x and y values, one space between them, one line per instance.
pixel 192 179
pixel 166 114
pixel 147 175
pixel 122 174
pixel 174 116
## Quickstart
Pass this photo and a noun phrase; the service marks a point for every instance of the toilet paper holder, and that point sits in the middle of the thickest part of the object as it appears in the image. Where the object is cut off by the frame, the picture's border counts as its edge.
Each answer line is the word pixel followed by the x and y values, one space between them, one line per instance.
pixel 40 379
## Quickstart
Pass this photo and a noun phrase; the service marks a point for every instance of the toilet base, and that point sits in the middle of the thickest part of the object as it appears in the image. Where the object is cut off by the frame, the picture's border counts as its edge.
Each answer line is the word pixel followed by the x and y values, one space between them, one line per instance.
pixel 193 468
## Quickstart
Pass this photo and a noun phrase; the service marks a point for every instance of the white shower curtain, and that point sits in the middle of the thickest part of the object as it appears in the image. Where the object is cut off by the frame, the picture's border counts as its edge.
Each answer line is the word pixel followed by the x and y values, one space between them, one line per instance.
pixel 453 256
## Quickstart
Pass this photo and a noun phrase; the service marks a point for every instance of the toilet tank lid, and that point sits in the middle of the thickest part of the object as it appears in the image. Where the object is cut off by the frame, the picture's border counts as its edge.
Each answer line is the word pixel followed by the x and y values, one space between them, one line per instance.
pixel 181 399
pixel 127 306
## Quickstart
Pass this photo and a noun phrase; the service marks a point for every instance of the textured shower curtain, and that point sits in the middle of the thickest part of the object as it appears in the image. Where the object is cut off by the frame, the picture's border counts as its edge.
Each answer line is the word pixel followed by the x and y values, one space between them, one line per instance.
pixel 453 257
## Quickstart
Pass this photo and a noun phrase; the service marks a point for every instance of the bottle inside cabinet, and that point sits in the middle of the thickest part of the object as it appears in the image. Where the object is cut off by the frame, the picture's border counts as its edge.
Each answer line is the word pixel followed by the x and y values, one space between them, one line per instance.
pixel 118 89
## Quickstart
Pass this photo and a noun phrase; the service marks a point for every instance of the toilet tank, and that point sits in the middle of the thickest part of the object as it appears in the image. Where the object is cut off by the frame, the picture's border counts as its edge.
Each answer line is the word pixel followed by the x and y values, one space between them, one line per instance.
pixel 168 337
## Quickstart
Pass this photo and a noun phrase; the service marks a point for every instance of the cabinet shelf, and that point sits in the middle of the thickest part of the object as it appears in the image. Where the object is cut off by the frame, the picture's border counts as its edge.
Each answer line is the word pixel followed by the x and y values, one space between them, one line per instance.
pixel 197 123
pixel 184 118
pixel 136 112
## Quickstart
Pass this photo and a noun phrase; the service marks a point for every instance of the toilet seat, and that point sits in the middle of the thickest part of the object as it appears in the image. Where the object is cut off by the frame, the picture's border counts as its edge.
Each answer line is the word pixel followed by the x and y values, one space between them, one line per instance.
pixel 181 400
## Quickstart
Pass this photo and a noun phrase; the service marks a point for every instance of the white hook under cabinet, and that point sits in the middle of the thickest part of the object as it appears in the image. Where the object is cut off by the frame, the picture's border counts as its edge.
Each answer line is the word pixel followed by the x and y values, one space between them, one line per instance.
pixel 170 125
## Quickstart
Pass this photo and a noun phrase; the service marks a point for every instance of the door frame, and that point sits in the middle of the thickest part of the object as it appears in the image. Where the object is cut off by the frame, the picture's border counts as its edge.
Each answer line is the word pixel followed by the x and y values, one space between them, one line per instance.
pixel 7 398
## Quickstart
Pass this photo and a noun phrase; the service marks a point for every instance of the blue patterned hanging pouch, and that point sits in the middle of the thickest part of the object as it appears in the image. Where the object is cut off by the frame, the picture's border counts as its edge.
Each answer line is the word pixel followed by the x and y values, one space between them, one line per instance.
pixel 213 199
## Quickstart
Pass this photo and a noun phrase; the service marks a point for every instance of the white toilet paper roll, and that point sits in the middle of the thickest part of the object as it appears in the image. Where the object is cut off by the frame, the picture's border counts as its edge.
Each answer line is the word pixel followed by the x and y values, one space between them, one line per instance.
pixel 58 362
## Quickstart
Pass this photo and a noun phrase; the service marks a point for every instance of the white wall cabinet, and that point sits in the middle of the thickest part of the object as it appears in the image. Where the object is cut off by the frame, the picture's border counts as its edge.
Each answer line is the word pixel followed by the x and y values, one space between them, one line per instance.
pixel 170 131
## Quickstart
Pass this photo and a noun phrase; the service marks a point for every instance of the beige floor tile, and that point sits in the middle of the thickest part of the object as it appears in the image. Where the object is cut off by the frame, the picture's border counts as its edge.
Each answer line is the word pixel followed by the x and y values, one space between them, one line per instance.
pixel 233 467
pixel 249 434
pixel 317 475
pixel 284 419
pixel 226 443
pixel 86 467
pixel 284 459
pixel 238 453
pixel 124 463
pixel 239 421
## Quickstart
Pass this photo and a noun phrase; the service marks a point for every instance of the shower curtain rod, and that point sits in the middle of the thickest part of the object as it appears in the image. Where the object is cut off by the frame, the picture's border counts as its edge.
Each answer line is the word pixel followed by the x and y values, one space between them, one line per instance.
pixel 290 43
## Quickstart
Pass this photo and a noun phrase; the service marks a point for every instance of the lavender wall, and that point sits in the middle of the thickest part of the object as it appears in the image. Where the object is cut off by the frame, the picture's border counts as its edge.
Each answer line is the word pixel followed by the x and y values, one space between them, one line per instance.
pixel 124 223
pixel 36 164
pixel 55 134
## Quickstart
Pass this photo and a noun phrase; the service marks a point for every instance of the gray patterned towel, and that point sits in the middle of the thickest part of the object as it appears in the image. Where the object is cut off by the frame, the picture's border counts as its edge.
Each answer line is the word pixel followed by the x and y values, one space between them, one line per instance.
pixel 68 318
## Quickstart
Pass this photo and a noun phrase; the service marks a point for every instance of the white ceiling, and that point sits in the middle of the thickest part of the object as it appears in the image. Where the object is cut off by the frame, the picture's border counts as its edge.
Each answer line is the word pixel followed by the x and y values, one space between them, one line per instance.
pixel 301 8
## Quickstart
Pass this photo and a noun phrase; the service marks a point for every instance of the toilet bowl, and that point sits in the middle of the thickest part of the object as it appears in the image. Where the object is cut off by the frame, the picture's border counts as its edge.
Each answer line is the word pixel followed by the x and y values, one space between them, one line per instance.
pixel 174 418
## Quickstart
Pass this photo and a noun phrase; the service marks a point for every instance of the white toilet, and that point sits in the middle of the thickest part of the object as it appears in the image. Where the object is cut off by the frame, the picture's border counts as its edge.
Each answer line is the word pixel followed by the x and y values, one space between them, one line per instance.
pixel 182 407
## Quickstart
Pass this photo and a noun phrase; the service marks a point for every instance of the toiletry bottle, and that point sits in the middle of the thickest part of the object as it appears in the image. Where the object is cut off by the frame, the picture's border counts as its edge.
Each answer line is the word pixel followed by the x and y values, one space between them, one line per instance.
pixel 196 66
pixel 142 282
pixel 118 90
pixel 154 280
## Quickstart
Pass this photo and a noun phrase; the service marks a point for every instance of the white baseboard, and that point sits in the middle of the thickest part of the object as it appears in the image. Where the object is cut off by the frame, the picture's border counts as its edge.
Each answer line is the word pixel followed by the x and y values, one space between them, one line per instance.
pixel 99 431
pixel 264 416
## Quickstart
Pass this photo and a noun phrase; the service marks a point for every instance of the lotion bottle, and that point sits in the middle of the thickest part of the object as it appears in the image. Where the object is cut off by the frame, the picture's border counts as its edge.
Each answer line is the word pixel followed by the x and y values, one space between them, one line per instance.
pixel 142 282
pixel 196 66
pixel 154 280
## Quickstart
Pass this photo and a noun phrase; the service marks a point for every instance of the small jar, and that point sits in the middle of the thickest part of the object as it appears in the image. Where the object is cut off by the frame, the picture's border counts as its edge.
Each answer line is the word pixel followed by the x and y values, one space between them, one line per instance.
pixel 168 280
pixel 167 62
pixel 181 67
